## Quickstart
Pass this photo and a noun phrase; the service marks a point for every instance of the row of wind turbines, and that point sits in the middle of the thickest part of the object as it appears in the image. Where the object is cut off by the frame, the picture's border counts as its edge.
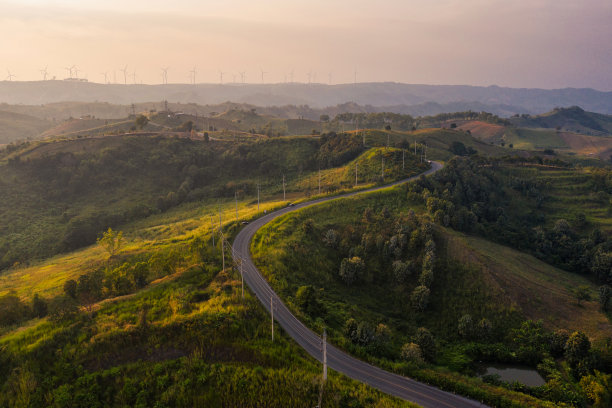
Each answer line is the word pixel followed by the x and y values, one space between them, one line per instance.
pixel 73 74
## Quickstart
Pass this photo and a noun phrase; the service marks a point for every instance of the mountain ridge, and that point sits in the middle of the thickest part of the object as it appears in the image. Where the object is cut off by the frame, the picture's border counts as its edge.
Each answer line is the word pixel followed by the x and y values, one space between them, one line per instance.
pixel 379 94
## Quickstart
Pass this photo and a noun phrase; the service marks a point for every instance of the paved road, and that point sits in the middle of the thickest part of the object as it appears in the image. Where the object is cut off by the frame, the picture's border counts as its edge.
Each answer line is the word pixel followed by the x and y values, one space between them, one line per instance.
pixel 402 387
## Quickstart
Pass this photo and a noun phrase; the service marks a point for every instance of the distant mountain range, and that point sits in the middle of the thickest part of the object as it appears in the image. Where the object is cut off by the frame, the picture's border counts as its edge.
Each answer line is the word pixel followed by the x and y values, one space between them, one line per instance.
pixel 416 100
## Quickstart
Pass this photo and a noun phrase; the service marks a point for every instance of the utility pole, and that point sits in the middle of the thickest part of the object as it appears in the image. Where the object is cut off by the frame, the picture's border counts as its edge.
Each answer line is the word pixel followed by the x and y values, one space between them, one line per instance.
pixel 363 137
pixel 242 276
pixel 223 249
pixel 212 226
pixel 425 151
pixel 272 313
pixel 382 168
pixel 284 188
pixel 387 140
pixel 324 355
pixel 356 174
pixel 236 199
pixel 258 197
pixel 319 181
pixel 403 161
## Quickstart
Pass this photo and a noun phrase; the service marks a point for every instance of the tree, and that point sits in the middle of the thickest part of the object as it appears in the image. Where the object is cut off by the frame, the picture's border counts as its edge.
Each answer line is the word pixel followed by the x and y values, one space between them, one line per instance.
pixel 401 271
pixel 351 270
pixel 62 308
pixel 39 306
pixel 70 288
pixel 577 348
pixel 558 339
pixel 484 329
pixel 411 352
pixel 306 299
pixel 331 238
pixel 12 309
pixel 141 121
pixel 598 388
pixel 324 118
pixel 466 326
pixel 420 298
pixel 426 343
pixel 111 241
pixel 582 292
pixel 605 293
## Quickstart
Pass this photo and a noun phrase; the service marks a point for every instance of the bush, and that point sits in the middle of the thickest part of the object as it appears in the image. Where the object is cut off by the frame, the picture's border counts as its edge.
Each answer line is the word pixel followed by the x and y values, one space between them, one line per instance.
pixel 420 298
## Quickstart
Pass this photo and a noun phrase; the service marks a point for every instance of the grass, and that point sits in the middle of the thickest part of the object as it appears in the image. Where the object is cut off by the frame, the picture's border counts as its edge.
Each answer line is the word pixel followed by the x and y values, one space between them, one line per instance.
pixel 538 290
pixel 534 139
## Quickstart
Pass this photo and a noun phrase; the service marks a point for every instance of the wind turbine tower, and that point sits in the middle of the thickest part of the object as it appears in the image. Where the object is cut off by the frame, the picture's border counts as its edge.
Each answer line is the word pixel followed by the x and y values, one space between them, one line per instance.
pixel 165 75
pixel 10 76
pixel 124 70
pixel 242 77
pixel 262 75
pixel 193 75
pixel 44 73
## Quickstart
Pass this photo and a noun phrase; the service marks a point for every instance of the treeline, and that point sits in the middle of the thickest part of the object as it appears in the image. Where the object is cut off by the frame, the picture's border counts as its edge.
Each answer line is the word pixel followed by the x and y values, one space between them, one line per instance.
pixel 398 121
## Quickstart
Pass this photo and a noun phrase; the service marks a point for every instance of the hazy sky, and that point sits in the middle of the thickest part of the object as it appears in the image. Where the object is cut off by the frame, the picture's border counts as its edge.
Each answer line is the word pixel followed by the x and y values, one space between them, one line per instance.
pixel 517 43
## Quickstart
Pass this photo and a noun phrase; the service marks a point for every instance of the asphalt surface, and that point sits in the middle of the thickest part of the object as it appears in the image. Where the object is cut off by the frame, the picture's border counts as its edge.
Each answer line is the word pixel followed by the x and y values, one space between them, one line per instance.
pixel 393 384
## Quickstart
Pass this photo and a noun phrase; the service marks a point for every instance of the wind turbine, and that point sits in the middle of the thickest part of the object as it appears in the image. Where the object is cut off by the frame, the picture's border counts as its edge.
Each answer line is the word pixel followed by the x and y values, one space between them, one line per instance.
pixel 124 70
pixel 134 76
pixel 242 76
pixel 76 71
pixel 105 76
pixel 10 76
pixel 262 75
pixel 69 69
pixel 44 73
pixel 309 74
pixel 165 75
pixel 221 77
pixel 193 75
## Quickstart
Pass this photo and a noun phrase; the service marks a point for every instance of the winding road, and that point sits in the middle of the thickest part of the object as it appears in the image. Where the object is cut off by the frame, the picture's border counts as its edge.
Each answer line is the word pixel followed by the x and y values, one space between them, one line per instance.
pixel 390 383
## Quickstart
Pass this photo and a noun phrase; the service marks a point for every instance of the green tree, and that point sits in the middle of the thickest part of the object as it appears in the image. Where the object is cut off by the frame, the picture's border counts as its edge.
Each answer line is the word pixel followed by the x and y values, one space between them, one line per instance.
pixel 577 347
pixel 420 298
pixel 12 309
pixel 324 118
pixel 605 293
pixel 598 388
pixel 426 343
pixel 306 299
pixel 39 306
pixel 111 241
pixel 466 326
pixel 70 288
pixel 411 352
pixel 582 292
pixel 351 270
pixel 141 121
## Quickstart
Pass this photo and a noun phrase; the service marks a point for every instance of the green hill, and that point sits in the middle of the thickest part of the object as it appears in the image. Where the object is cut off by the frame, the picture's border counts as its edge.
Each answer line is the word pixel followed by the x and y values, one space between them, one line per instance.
pixel 16 126
pixel 572 119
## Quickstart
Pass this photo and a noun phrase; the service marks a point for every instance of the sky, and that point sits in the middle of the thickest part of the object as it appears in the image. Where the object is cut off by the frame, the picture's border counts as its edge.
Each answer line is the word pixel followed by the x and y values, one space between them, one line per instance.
pixel 514 43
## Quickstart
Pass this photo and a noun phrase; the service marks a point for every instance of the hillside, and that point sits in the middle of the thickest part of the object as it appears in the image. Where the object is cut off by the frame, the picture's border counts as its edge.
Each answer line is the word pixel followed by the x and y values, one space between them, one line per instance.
pixel 573 119
pixel 16 126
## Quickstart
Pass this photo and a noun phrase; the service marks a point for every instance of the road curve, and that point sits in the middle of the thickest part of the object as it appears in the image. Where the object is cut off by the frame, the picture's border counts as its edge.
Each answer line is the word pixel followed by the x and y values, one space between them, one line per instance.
pixel 390 383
